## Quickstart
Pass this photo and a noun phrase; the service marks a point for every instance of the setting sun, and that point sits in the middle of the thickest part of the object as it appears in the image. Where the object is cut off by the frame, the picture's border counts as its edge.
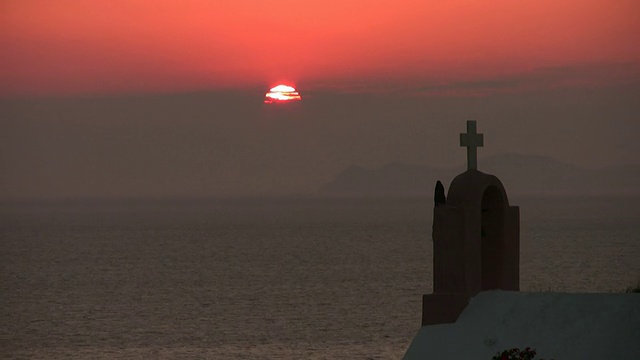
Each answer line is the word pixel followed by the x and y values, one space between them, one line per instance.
pixel 281 93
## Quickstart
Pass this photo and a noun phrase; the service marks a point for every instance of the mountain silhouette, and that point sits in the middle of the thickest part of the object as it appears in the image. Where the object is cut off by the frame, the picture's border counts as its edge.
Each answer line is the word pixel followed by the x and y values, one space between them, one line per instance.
pixel 520 174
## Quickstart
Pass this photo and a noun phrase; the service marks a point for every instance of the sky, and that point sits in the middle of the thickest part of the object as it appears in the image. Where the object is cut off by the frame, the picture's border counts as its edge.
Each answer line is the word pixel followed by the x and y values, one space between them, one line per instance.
pixel 75 46
pixel 103 98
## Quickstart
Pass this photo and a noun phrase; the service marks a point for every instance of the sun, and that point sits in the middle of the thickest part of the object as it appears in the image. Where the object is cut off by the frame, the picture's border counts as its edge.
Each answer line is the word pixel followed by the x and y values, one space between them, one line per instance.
pixel 282 94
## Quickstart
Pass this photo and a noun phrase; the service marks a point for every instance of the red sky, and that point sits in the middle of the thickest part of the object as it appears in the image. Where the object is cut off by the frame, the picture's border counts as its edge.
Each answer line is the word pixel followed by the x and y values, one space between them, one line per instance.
pixel 112 46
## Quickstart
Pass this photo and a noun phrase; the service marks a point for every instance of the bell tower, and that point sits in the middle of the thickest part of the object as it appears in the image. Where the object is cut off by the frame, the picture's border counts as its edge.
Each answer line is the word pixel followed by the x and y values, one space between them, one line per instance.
pixel 476 239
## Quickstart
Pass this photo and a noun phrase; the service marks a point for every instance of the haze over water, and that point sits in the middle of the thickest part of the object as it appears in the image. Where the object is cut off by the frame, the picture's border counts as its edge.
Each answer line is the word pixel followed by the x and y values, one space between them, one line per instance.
pixel 298 278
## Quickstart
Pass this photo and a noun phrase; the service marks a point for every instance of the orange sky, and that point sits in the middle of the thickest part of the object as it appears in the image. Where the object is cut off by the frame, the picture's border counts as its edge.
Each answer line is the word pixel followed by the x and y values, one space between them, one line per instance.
pixel 111 46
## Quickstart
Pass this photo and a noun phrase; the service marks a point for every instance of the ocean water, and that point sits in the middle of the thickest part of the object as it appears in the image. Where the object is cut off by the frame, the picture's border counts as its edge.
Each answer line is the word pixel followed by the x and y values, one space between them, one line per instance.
pixel 265 278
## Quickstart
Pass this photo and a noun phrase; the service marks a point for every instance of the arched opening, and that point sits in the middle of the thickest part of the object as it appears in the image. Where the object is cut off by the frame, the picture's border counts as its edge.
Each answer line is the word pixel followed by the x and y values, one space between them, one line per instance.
pixel 492 239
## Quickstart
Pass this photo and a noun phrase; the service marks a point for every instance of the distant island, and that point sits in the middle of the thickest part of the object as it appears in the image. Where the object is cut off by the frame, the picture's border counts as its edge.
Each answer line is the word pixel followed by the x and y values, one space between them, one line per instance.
pixel 522 174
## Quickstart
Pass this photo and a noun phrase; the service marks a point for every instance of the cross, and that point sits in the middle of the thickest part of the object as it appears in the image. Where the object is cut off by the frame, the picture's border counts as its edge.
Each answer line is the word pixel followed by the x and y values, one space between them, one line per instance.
pixel 472 140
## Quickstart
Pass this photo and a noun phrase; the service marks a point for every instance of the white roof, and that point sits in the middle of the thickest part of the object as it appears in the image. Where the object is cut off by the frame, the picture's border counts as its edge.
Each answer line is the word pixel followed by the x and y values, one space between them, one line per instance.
pixel 557 325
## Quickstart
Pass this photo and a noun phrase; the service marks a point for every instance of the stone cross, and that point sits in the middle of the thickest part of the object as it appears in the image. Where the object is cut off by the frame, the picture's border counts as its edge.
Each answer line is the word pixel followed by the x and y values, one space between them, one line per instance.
pixel 471 140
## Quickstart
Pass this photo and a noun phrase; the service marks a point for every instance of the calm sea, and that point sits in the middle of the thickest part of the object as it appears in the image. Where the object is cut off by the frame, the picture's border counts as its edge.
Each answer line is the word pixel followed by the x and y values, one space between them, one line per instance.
pixel 265 279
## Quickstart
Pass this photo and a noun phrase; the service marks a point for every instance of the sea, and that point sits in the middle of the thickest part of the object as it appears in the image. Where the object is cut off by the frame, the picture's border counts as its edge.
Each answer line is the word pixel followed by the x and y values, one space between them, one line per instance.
pixel 295 278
